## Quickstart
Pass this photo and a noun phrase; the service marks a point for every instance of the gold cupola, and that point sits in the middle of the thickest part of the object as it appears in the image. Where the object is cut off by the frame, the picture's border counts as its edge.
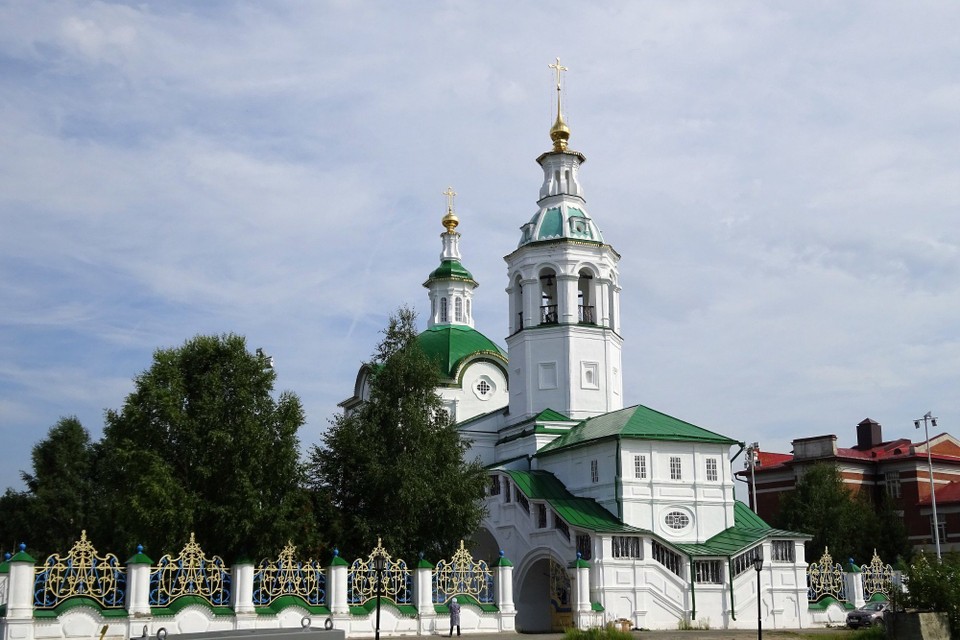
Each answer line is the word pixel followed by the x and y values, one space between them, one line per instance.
pixel 450 220
pixel 559 132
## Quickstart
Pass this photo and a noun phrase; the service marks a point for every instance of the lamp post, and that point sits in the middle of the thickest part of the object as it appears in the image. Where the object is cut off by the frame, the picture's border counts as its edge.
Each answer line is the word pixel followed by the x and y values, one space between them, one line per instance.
pixel 758 566
pixel 753 455
pixel 929 417
pixel 379 565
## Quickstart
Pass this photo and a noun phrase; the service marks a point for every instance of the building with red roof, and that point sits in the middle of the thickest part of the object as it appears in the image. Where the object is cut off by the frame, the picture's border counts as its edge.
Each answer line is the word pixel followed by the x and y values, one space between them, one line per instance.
pixel 897 468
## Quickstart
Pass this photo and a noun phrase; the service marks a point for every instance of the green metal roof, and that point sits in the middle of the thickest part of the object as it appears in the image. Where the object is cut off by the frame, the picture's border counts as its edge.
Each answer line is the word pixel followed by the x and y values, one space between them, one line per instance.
pixel 450 270
pixel 448 345
pixel 637 422
pixel 748 529
pixel 584 513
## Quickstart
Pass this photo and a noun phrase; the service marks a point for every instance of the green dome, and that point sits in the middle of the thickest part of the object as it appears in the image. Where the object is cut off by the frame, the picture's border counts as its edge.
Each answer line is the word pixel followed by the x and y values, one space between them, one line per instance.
pixel 451 270
pixel 449 345
pixel 559 222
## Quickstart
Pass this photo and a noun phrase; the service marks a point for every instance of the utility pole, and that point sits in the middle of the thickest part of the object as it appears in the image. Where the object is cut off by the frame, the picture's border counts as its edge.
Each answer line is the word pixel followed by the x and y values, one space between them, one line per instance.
pixel 929 417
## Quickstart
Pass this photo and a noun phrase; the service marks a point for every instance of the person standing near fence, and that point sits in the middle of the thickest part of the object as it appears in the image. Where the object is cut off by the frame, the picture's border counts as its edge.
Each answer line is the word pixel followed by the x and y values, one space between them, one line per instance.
pixel 454 616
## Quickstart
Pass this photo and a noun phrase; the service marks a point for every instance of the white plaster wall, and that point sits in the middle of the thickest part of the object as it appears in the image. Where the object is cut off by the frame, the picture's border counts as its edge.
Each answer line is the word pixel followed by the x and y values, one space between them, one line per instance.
pixel 710 504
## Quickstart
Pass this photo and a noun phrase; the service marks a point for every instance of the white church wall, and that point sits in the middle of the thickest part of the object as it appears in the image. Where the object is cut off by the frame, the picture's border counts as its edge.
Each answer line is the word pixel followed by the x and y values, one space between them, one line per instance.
pixel 575 469
pixel 707 503
pixel 470 402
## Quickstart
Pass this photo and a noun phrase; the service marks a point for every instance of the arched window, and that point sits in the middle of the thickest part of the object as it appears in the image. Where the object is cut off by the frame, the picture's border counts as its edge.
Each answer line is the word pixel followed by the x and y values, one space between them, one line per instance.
pixel 517 296
pixel 586 310
pixel 458 309
pixel 548 297
pixel 443 309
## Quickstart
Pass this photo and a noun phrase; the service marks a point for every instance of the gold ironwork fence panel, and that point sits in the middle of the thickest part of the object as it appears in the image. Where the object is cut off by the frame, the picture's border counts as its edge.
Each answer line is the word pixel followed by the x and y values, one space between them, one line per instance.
pixel 825 578
pixel 462 575
pixel 80 573
pixel 190 573
pixel 289 577
pixel 362 579
pixel 877 577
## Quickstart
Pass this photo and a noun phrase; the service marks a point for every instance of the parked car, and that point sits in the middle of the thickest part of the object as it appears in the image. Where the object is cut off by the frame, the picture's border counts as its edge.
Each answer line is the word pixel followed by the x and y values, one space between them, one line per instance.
pixel 867 615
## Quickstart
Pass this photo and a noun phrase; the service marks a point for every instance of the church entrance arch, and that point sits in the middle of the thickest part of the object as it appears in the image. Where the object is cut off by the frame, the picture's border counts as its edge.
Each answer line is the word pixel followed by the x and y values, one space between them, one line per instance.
pixel 542 597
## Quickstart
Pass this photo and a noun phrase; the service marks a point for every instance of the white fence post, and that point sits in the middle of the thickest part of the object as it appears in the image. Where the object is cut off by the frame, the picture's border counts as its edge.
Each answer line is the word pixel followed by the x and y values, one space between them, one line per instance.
pixel 854 585
pixel 337 585
pixel 138 583
pixel 242 595
pixel 423 598
pixel 504 592
pixel 18 624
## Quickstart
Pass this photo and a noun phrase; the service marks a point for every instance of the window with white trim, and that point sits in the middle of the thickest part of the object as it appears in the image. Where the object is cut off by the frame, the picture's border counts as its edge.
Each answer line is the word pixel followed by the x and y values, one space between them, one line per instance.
pixel 676 470
pixel 541 516
pixel 676 520
pixel 891 480
pixel 784 551
pixel 594 472
pixel 941 525
pixel 443 309
pixel 640 467
pixel 458 309
pixel 666 557
pixel 712 475
pixel 585 546
pixel 627 547
pixel 708 571
pixel 744 561
pixel 494 485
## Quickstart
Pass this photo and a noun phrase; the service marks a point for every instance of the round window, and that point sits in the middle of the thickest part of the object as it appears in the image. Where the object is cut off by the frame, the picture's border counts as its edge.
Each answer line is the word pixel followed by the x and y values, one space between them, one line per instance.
pixel 484 388
pixel 676 520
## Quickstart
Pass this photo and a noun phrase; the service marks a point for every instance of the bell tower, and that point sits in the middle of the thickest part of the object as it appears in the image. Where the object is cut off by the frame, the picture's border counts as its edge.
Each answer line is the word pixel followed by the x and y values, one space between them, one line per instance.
pixel 450 285
pixel 564 344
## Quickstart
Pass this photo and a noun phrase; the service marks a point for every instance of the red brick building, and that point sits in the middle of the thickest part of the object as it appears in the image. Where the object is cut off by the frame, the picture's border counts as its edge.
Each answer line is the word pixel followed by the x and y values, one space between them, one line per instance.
pixel 898 468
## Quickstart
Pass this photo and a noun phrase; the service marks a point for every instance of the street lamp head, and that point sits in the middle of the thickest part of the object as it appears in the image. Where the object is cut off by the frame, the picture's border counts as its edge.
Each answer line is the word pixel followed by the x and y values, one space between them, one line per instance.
pixel 933 422
pixel 916 424
pixel 758 563
pixel 379 563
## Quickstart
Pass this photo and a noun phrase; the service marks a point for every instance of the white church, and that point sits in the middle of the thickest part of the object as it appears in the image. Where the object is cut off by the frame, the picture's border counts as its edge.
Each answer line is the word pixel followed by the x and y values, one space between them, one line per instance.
pixel 606 512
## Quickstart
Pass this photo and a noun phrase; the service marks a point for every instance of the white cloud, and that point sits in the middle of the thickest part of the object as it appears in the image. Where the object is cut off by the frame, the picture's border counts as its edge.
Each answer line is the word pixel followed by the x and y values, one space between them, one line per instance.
pixel 781 181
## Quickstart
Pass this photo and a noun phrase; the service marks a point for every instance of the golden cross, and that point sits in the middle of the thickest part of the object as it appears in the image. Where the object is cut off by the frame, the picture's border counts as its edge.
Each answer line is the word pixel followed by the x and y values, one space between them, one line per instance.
pixel 450 193
pixel 559 67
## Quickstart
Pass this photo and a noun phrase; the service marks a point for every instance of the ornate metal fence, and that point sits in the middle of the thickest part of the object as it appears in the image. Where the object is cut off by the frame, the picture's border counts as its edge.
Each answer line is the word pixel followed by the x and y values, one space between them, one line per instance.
pixel 190 573
pixel 462 575
pixel 825 578
pixel 4 578
pixel 80 573
pixel 362 579
pixel 877 577
pixel 289 577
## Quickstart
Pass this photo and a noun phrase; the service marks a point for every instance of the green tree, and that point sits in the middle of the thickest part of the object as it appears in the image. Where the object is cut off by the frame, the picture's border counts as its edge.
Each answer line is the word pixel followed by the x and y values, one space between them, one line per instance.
pixel 394 468
pixel 58 501
pixel 934 586
pixel 822 506
pixel 201 445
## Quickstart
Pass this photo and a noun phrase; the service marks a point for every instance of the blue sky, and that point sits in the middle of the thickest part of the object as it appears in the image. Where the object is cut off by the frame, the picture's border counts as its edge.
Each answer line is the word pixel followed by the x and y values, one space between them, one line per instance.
pixel 782 181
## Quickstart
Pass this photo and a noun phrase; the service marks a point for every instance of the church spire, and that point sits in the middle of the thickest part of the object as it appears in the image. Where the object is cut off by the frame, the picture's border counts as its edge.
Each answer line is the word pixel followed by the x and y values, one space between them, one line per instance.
pixel 450 285
pixel 559 132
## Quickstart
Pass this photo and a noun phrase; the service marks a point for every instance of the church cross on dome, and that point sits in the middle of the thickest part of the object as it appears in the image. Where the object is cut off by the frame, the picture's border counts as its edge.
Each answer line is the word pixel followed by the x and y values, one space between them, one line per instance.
pixel 450 221
pixel 559 132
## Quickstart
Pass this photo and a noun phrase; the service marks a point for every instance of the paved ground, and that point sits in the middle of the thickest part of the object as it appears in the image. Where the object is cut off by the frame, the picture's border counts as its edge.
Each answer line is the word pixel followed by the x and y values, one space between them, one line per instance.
pixel 737 634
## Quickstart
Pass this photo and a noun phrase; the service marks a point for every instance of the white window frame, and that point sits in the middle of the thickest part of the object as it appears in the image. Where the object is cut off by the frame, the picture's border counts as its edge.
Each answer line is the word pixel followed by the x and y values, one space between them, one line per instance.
pixel 713 470
pixel 640 466
pixel 676 468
